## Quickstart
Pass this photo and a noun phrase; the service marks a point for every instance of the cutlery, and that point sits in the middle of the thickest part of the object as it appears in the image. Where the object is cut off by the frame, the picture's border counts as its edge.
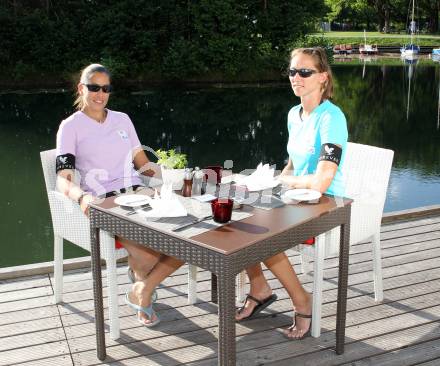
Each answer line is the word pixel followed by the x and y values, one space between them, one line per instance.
pixel 146 208
pixel 195 221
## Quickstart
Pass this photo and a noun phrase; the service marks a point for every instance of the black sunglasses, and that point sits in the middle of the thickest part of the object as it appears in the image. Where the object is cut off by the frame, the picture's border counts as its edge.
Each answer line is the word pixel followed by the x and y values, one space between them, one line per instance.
pixel 304 73
pixel 96 88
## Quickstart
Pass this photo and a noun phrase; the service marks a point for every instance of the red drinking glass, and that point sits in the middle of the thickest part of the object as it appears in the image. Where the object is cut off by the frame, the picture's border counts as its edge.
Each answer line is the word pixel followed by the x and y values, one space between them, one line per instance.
pixel 222 209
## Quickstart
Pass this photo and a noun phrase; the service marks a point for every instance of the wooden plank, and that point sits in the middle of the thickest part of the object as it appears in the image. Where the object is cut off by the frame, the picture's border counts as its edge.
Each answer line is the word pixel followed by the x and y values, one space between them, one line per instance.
pixel 434 362
pixel 34 353
pixel 171 281
pixel 85 274
pixel 20 327
pixel 410 231
pixel 23 283
pixel 25 340
pixel 28 316
pixel 52 361
pixel 409 223
pixel 26 304
pixel 409 356
pixel 411 214
pixel 28 293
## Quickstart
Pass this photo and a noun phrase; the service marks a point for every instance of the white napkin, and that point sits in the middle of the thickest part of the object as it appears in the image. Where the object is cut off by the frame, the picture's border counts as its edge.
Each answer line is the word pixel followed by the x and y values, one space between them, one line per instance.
pixel 166 204
pixel 261 178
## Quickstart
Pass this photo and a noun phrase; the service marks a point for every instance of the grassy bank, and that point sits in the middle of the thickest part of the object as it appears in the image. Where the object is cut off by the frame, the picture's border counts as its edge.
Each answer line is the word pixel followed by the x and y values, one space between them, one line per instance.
pixel 380 61
pixel 380 39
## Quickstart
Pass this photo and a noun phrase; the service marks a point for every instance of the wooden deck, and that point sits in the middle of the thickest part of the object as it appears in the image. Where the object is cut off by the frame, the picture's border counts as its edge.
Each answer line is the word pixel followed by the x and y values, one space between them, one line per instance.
pixel 403 330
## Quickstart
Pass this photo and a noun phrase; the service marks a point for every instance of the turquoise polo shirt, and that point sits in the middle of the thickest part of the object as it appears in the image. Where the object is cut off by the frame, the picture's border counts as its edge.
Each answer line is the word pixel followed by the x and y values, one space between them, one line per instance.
pixel 326 124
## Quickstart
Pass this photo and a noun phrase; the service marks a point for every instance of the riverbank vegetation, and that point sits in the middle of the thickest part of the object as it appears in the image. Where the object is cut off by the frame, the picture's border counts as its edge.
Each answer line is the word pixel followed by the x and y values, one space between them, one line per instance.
pixel 45 42
pixel 152 40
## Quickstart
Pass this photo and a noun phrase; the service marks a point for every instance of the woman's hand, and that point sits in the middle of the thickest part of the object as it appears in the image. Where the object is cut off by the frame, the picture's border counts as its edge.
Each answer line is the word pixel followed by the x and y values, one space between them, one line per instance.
pixel 84 203
pixel 151 169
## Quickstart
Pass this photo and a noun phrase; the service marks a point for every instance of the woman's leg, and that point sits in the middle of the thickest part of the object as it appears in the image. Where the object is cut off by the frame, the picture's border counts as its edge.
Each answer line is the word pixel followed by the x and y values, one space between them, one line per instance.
pixel 260 289
pixel 150 268
pixel 281 267
pixel 143 290
pixel 140 258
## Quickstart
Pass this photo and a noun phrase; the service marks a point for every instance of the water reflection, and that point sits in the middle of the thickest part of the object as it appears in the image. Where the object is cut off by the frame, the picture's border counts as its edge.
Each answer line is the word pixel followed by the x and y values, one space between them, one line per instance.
pixel 246 125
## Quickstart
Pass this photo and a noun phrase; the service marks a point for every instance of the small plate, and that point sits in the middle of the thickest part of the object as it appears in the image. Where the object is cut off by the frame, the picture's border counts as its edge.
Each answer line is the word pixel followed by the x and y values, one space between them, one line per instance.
pixel 302 195
pixel 132 200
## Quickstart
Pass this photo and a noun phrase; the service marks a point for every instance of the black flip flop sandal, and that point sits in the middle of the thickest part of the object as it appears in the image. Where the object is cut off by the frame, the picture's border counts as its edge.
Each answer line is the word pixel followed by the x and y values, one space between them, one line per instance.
pixel 261 305
pixel 306 334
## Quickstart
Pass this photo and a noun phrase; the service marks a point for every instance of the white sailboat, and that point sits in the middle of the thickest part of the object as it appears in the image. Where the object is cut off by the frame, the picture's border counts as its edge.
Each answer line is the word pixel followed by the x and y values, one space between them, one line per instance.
pixel 367 49
pixel 411 49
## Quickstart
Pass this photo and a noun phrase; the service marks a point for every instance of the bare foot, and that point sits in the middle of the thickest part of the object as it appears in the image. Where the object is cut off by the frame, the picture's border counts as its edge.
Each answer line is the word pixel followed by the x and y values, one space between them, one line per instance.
pixel 301 325
pixel 141 296
pixel 246 310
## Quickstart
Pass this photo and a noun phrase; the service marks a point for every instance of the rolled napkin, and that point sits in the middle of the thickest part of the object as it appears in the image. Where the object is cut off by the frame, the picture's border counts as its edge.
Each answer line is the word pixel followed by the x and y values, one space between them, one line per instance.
pixel 166 204
pixel 262 178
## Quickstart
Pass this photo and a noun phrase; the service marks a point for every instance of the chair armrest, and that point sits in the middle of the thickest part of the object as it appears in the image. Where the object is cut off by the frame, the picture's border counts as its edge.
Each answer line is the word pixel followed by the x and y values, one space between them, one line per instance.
pixel 68 220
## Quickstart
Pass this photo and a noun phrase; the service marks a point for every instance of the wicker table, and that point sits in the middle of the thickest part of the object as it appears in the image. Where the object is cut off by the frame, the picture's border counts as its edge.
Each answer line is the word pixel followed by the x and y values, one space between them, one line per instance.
pixel 226 251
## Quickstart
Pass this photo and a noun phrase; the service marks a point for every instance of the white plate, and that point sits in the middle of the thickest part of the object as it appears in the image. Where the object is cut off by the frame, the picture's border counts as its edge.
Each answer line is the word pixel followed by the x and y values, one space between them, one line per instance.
pixel 132 200
pixel 302 194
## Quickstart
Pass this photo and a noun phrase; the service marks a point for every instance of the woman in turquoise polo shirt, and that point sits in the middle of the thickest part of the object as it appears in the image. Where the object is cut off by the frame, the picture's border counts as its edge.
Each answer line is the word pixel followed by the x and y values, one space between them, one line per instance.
pixel 316 147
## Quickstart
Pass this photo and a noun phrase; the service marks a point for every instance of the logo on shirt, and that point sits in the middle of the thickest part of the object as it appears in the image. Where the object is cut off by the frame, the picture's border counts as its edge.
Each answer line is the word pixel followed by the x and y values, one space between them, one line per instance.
pixel 123 134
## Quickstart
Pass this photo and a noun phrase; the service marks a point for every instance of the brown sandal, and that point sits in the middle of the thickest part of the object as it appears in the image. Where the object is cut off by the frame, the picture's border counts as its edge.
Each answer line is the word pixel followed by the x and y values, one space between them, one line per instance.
pixel 306 334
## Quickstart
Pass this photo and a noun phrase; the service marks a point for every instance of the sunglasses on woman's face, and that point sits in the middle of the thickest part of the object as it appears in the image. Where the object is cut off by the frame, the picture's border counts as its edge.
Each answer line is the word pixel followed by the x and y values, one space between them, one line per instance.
pixel 96 88
pixel 304 73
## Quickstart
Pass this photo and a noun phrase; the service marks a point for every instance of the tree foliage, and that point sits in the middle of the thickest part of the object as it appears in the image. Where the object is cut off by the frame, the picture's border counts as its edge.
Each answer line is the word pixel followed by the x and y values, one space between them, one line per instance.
pixel 160 38
pixel 384 15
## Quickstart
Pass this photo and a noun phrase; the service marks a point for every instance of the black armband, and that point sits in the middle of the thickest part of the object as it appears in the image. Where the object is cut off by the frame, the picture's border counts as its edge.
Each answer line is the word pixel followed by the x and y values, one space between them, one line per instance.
pixel 66 161
pixel 330 152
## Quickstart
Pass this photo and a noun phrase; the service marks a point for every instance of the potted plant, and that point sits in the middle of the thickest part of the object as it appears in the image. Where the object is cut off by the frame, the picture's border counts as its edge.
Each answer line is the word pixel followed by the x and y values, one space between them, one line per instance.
pixel 173 166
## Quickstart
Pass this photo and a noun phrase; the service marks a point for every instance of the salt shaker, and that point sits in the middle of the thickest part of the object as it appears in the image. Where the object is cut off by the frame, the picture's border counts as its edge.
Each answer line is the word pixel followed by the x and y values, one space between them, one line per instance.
pixel 197 182
pixel 187 183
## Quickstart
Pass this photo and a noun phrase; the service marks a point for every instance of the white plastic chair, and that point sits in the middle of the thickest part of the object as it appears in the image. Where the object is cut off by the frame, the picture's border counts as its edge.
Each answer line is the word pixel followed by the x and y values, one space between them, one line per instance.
pixel 366 172
pixel 70 223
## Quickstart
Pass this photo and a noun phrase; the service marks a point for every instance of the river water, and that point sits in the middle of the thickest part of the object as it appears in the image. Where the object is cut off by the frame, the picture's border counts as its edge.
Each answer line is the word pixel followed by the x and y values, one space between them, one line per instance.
pixel 389 106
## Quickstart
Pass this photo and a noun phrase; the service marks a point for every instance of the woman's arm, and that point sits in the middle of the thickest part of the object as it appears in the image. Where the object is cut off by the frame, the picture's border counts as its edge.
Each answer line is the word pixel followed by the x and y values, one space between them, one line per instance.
pixel 320 181
pixel 67 186
pixel 143 165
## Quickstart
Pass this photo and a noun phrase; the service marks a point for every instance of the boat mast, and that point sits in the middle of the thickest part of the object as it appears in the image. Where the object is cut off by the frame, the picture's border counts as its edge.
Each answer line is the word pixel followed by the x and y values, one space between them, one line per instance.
pixel 412 25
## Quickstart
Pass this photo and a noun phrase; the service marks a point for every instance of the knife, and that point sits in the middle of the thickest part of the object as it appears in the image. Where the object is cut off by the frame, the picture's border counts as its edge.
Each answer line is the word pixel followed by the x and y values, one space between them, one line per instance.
pixel 195 221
